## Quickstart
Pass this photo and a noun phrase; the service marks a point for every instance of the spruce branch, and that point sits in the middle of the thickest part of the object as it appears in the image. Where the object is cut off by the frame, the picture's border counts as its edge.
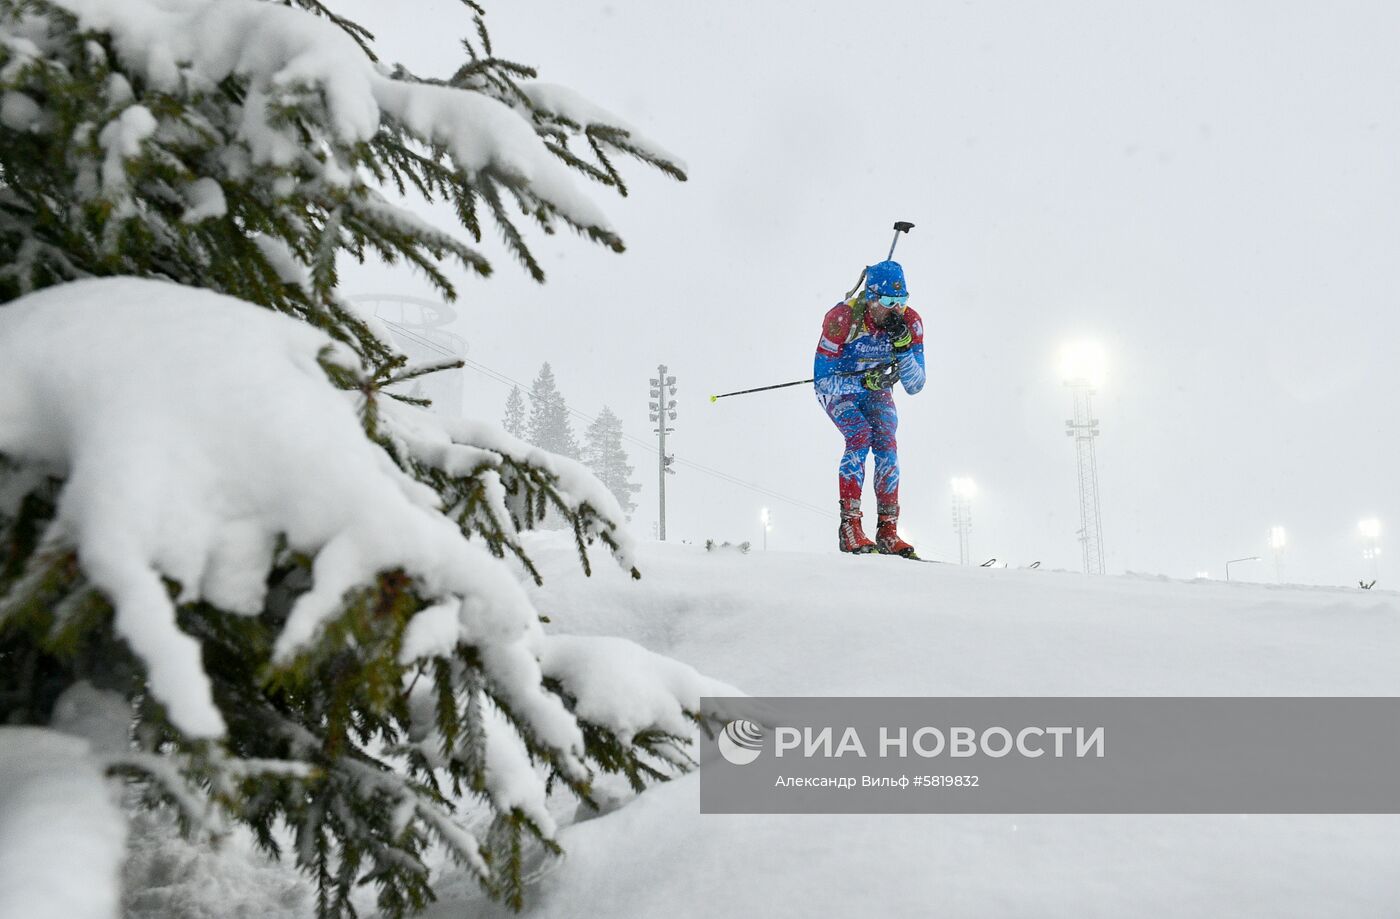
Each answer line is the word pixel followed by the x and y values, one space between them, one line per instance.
pixel 336 745
pixel 362 36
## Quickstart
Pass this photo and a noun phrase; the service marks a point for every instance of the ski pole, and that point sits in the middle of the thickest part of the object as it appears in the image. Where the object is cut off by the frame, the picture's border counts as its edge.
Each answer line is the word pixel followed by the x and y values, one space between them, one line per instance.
pixel 839 373
pixel 744 392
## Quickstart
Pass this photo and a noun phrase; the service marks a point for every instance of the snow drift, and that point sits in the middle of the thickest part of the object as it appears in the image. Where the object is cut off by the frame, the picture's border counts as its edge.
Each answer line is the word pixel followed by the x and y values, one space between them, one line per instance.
pixel 809 624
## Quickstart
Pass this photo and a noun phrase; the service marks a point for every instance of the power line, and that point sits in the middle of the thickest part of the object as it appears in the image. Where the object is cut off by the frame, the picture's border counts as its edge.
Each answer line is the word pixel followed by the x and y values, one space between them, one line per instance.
pixel 419 339
pixel 651 447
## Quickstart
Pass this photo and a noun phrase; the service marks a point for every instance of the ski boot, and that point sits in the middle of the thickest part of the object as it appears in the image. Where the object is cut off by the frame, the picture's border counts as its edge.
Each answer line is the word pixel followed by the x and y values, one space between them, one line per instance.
pixel 850 537
pixel 887 536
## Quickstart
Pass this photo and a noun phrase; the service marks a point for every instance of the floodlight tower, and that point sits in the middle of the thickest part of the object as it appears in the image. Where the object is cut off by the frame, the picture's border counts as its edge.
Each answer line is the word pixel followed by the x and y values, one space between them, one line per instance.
pixel 1278 539
pixel 663 389
pixel 767 520
pixel 963 491
pixel 1083 370
pixel 1370 530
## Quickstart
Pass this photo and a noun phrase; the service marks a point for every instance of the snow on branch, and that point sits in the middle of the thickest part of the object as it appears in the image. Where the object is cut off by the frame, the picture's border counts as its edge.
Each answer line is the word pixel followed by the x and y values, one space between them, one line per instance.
pixel 309 97
pixel 484 135
pixel 597 672
pixel 506 472
pixel 194 431
pixel 560 105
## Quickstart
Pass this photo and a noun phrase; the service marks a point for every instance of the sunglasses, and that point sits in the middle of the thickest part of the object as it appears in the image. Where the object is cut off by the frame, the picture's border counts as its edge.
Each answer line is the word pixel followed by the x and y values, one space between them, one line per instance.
pixel 894 301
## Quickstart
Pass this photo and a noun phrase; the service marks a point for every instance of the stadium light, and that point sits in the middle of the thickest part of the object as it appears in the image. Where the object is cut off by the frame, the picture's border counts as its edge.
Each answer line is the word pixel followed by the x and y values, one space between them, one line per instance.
pixel 1083 362
pixel 1370 530
pixel 1278 539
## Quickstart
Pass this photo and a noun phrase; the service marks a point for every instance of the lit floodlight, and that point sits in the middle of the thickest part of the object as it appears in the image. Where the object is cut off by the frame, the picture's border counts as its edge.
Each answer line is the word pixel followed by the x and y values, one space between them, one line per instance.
pixel 766 518
pixel 1277 538
pixel 1202 574
pixel 1083 362
pixel 964 488
pixel 1370 529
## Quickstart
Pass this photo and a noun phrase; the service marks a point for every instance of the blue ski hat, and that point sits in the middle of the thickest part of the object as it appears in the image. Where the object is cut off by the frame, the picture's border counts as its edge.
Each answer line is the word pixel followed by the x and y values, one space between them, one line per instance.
pixel 885 279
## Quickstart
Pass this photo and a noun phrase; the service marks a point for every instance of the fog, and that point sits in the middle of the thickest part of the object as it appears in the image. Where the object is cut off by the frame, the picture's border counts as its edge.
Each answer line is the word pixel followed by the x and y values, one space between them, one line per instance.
pixel 1212 191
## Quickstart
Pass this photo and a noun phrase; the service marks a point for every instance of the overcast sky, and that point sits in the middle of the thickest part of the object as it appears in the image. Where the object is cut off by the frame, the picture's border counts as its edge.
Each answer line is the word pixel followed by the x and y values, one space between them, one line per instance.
pixel 1210 190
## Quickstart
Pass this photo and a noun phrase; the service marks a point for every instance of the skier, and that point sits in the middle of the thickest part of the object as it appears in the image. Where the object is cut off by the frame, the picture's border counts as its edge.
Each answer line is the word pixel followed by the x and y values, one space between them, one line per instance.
pixel 867 344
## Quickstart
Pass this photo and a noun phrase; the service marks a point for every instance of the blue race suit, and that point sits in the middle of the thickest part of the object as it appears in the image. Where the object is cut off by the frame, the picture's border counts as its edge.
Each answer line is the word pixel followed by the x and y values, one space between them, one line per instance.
pixel 866 418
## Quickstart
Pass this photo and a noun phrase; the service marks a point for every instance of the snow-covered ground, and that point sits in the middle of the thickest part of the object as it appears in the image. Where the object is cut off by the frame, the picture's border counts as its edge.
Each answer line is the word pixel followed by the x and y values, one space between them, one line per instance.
pixel 803 624
pixel 806 624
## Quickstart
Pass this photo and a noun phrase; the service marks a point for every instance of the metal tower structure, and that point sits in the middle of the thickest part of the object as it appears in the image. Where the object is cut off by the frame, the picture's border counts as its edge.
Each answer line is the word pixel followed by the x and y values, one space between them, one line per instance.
pixel 963 490
pixel 1084 428
pixel 663 409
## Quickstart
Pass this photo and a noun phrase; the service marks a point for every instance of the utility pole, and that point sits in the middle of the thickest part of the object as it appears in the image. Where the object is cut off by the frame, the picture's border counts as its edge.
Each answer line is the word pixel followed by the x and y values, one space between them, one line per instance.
pixel 1083 370
pixel 663 409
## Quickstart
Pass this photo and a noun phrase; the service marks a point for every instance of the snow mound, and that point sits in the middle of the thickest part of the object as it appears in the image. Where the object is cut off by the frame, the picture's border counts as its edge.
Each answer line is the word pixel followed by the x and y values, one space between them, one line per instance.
pixel 61 835
pixel 781 623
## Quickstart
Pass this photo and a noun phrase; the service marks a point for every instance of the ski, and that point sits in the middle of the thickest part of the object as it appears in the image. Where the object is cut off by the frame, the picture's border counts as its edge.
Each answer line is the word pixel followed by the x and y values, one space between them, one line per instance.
pixel 938 561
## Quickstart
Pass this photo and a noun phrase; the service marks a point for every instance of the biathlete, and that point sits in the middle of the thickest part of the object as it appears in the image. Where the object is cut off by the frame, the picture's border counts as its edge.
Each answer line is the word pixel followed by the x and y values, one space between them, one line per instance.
pixel 868 344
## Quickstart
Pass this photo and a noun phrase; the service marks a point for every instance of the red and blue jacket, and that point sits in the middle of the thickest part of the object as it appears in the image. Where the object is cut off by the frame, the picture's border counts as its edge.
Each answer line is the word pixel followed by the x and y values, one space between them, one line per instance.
pixel 851 342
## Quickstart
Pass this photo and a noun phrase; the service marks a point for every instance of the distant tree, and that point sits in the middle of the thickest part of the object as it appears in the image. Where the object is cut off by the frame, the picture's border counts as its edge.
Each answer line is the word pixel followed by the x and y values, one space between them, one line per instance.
pixel 603 454
pixel 549 427
pixel 514 420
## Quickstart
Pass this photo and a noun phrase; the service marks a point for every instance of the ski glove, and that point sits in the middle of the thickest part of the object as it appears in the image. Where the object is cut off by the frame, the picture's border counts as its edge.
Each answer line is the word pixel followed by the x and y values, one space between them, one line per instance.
pixel 882 377
pixel 901 338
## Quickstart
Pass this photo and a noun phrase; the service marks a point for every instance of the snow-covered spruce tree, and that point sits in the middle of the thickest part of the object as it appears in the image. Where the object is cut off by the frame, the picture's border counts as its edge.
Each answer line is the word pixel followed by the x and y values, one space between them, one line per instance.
pixel 514 418
pixel 549 427
pixel 603 454
pixel 211 514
